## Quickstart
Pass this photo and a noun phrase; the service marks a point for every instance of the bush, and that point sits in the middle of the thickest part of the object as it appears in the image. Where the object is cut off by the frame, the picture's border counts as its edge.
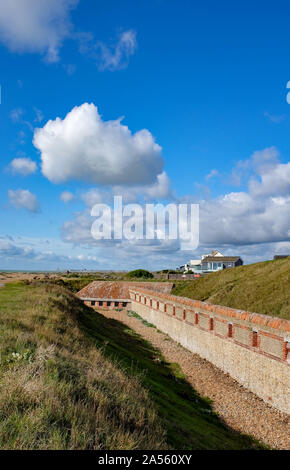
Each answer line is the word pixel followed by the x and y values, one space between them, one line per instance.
pixel 140 273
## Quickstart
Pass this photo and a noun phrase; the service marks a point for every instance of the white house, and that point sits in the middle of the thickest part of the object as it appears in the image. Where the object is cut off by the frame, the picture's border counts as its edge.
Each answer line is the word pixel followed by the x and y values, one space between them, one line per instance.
pixel 215 261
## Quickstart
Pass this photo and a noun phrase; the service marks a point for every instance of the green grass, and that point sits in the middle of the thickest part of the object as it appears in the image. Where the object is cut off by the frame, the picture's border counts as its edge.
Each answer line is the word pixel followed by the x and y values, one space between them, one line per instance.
pixel 131 313
pixel 57 389
pixel 261 287
pixel 72 379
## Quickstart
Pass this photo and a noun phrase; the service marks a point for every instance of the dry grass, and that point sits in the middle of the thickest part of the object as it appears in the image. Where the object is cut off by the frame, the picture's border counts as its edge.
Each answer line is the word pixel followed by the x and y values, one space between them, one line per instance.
pixel 261 287
pixel 57 390
pixel 72 379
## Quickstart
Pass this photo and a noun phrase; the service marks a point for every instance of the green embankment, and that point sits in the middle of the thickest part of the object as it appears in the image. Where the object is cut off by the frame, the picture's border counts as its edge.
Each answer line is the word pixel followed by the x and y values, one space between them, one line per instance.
pixel 261 287
pixel 72 379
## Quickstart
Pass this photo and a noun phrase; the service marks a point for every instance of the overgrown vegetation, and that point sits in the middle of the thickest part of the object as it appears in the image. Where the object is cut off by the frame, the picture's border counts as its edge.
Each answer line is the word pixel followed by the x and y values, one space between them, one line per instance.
pixel 57 390
pixel 72 379
pixel 131 313
pixel 140 274
pixel 261 287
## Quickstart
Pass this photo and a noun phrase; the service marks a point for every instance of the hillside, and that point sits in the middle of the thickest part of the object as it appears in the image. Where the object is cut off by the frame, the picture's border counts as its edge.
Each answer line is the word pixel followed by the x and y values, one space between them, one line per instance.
pixel 261 288
pixel 72 379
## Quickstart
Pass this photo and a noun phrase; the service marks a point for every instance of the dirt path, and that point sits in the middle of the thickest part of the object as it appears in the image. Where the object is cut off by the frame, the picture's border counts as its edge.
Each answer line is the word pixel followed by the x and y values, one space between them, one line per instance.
pixel 237 407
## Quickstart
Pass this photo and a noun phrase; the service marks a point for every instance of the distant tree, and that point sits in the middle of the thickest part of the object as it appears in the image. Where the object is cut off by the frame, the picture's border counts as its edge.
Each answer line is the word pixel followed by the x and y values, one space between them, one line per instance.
pixel 140 273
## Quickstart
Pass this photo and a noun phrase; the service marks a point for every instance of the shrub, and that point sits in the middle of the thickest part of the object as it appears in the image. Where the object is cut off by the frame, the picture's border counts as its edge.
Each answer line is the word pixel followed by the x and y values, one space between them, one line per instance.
pixel 140 273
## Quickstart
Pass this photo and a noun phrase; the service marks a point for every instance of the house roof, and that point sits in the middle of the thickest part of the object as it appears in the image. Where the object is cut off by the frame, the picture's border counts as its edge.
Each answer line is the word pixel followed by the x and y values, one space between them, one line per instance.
pixel 119 289
pixel 220 259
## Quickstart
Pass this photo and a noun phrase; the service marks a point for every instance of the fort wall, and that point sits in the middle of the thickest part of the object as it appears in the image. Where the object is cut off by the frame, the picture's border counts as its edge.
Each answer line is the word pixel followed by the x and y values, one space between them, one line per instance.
pixel 254 349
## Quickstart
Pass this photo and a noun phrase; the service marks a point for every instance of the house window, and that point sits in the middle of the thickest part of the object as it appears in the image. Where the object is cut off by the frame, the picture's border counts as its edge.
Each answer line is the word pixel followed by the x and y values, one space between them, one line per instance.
pixel 230 330
pixel 101 303
pixel 93 303
pixel 211 324
pixel 196 318
pixel 116 304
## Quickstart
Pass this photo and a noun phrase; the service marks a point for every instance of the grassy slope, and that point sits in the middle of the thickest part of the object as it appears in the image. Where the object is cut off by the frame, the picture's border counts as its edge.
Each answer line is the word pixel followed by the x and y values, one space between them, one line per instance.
pixel 71 379
pixel 57 390
pixel 261 287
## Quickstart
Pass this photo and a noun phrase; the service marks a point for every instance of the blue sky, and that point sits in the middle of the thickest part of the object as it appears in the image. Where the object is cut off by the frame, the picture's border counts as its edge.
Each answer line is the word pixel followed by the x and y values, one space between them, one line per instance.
pixel 206 80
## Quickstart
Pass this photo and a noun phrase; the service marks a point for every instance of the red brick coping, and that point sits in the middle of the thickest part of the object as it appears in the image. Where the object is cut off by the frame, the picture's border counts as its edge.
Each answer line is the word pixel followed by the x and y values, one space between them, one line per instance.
pixel 255 318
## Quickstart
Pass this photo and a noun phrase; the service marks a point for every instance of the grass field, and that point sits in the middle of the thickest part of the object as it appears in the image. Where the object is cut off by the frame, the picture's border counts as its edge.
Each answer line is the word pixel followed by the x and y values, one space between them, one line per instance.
pixel 261 287
pixel 72 379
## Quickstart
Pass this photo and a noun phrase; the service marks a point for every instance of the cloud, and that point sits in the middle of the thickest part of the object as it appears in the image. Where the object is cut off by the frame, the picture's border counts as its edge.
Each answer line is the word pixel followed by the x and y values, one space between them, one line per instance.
pixel 274 117
pixel 24 199
pixel 67 196
pixel 36 26
pixel 96 196
pixel 161 190
pixel 211 174
pixel 78 232
pixel 42 26
pixel 245 170
pixel 26 252
pixel 259 214
pixel 117 57
pixel 253 223
pixel 264 159
pixel 24 166
pixel 83 147
pixel 10 250
pixel 16 114
pixel 239 218
pixel 274 181
pixel 38 115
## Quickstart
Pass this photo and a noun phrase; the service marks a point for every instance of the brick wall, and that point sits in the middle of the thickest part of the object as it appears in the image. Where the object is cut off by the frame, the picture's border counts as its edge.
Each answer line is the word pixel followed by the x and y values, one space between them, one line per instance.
pixel 254 349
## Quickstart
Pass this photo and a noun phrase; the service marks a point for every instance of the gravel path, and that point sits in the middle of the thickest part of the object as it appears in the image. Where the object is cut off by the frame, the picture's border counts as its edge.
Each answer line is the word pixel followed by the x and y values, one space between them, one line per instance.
pixel 239 408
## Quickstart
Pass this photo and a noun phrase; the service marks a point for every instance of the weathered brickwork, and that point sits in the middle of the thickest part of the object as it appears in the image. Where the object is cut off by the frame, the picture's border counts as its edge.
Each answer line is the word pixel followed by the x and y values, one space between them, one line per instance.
pixel 254 349
pixel 271 345
pixel 243 335
pixel 179 313
pixel 221 328
pixel 190 316
pixel 204 321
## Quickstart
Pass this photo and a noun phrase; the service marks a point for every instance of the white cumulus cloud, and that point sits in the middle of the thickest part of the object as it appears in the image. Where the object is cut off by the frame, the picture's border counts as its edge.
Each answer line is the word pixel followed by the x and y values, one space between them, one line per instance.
pixel 24 199
pixel 83 147
pixel 36 26
pixel 24 166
